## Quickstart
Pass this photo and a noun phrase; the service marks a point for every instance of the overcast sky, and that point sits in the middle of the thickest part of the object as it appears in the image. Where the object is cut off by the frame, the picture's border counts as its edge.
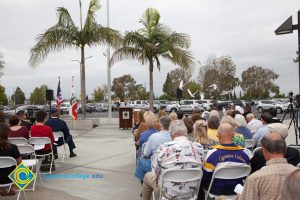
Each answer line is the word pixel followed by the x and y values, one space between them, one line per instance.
pixel 243 29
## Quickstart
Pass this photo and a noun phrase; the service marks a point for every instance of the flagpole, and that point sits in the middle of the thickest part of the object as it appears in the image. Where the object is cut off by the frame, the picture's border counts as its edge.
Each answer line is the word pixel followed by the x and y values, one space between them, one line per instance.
pixel 72 94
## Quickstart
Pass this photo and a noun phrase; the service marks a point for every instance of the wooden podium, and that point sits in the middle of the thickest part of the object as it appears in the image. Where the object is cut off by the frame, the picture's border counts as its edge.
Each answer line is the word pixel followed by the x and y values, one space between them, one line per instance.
pixel 125 117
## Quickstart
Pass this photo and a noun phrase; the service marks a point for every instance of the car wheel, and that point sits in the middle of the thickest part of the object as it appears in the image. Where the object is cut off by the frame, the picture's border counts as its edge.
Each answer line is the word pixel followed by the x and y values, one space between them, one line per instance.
pixel 260 109
pixel 173 110
pixel 279 110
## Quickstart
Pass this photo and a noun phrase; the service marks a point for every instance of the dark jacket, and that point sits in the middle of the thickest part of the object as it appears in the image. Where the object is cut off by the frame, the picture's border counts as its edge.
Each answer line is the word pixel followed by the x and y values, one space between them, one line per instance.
pixel 258 161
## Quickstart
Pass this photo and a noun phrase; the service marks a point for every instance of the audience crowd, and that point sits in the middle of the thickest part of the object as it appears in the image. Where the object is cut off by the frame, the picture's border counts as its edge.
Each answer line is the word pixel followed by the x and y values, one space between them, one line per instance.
pixel 210 141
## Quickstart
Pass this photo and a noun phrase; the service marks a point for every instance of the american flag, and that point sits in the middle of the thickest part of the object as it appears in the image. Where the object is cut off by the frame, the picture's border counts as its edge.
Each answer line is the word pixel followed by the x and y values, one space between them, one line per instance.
pixel 59 99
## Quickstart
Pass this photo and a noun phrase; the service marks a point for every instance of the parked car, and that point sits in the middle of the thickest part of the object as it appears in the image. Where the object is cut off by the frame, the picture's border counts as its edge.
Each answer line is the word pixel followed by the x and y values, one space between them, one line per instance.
pixel 205 104
pixel 266 104
pixel 162 103
pixel 238 103
pixel 223 104
pixel 88 109
pixel 186 106
pixel 65 107
pixel 142 104
pixel 101 107
pixel 115 105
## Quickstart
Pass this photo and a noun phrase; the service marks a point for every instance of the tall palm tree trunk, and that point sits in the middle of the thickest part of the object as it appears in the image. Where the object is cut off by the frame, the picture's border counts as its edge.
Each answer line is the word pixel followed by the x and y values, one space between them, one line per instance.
pixel 82 77
pixel 151 85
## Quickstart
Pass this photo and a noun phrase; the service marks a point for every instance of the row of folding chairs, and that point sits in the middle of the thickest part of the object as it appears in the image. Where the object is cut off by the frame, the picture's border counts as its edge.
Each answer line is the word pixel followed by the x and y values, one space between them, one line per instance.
pixel 41 143
pixel 226 170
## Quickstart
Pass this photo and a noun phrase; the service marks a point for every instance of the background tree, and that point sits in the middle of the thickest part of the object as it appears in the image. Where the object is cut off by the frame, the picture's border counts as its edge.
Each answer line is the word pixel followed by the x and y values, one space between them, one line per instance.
pixel 194 87
pixel 141 93
pixel 99 94
pixel 153 41
pixel 18 97
pixel 120 83
pixel 2 63
pixel 164 97
pixel 258 82
pixel 38 96
pixel 65 34
pixel 3 96
pixel 167 87
pixel 176 76
pixel 220 71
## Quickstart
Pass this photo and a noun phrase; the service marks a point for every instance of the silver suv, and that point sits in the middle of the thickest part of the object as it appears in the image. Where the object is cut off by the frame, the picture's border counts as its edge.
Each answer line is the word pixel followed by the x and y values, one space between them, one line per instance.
pixel 267 104
pixel 186 106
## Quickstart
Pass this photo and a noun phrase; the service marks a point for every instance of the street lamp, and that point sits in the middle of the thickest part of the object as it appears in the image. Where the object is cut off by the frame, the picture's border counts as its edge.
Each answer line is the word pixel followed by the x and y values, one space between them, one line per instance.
pixel 108 69
pixel 288 27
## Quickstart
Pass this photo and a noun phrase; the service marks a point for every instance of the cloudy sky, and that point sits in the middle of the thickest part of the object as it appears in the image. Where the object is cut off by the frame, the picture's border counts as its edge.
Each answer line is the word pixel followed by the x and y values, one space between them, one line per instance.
pixel 242 29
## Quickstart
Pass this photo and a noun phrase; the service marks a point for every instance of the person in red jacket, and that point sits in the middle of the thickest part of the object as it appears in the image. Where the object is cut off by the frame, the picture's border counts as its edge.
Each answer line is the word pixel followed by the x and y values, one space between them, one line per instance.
pixel 41 130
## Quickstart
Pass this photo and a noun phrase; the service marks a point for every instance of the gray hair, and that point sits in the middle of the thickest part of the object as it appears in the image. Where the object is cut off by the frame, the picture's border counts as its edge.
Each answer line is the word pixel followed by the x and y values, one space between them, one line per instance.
pixel 240 120
pixel 177 127
pixel 280 128
pixel 165 122
pixel 214 113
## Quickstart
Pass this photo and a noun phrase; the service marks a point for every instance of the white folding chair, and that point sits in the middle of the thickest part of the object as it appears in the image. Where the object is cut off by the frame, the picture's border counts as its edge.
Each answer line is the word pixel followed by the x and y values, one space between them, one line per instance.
pixel 6 162
pixel 256 149
pixel 18 140
pixel 28 149
pixel 298 165
pixel 39 143
pixel 249 143
pixel 58 135
pixel 180 176
pixel 228 170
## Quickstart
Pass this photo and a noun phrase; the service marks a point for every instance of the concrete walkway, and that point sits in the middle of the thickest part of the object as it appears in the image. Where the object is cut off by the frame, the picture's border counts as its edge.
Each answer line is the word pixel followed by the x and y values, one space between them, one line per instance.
pixel 105 150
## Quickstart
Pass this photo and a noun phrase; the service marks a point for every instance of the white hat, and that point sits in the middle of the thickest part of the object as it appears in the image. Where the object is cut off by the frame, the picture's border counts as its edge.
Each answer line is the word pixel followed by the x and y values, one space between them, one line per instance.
pixel 240 109
pixel 280 128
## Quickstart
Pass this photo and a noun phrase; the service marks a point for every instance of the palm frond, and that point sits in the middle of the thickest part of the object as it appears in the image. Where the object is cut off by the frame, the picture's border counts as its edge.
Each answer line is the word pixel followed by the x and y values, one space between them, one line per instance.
pixel 150 21
pixel 103 35
pixel 64 17
pixel 2 62
pixel 157 63
pixel 56 38
pixel 180 39
pixel 181 57
pixel 123 53
pixel 90 21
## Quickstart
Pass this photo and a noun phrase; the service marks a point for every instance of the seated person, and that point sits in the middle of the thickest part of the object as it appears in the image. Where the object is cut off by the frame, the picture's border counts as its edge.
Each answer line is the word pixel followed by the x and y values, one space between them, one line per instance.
pixel 41 130
pixel 180 153
pixel 7 150
pixel 56 125
pixel 253 123
pixel 291 154
pixel 16 130
pixel 266 183
pixel 242 126
pixel 266 119
pixel 213 124
pixel 24 122
pixel 227 151
pixel 290 188
pixel 154 141
pixel 200 135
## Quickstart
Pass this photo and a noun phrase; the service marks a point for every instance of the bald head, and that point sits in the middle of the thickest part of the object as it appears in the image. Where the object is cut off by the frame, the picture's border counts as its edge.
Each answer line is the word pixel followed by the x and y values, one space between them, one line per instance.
pixel 225 133
pixel 225 128
pixel 274 143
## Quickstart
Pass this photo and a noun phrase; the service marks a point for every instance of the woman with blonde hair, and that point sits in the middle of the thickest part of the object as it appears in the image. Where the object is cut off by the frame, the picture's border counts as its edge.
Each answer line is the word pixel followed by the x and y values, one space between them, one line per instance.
pixel 173 116
pixel 200 135
pixel 149 121
pixel 160 114
pixel 238 139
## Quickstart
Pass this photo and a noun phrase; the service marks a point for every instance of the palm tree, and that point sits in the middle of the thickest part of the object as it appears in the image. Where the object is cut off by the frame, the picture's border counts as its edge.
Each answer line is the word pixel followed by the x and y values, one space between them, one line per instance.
pixel 65 34
pixel 153 41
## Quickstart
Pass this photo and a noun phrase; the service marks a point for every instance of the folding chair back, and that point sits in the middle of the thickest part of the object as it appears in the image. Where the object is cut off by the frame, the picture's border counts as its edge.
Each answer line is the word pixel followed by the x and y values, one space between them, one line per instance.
pixel 256 149
pixel 18 140
pixel 40 141
pixel 143 148
pixel 182 176
pixel 58 135
pixel 228 170
pixel 26 149
pixel 249 143
pixel 6 162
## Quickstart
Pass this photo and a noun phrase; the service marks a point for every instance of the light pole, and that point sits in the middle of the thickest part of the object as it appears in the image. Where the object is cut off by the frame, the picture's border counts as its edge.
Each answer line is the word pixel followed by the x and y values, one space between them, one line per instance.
pixel 288 27
pixel 108 69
